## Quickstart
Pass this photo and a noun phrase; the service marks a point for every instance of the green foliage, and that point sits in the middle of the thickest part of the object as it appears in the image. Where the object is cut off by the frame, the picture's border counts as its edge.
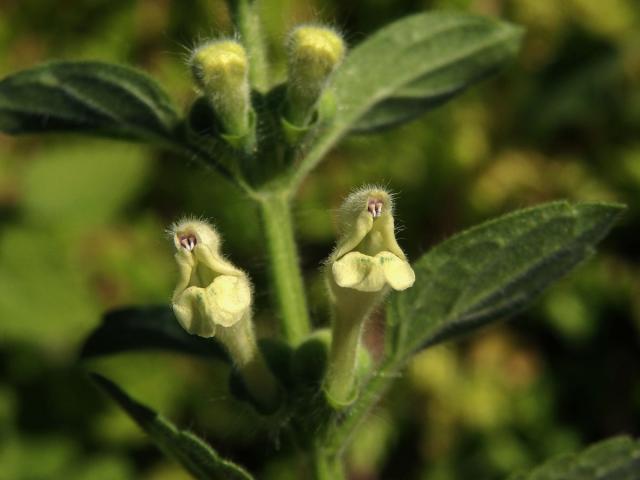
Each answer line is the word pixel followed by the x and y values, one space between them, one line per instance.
pixel 613 459
pixel 51 282
pixel 493 270
pixel 194 454
pixel 415 65
pixel 477 277
pixel 144 328
pixel 86 97
pixel 409 67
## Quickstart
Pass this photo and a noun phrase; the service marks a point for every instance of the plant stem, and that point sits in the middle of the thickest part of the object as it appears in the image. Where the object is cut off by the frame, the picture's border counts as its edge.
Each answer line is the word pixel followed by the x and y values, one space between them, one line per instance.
pixel 288 285
pixel 245 18
pixel 341 433
pixel 325 467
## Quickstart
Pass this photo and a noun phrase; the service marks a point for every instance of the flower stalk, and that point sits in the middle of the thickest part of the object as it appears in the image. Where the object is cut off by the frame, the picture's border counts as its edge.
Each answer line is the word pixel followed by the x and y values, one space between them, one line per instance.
pixel 287 282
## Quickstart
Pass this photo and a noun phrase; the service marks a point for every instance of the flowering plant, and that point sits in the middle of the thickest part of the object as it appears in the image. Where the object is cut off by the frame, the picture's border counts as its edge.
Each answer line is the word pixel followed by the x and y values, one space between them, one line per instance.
pixel 316 386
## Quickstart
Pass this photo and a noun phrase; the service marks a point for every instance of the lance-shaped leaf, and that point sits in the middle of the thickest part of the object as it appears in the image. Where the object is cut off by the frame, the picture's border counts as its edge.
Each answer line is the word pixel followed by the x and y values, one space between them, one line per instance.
pixel 493 270
pixel 482 275
pixel 613 459
pixel 185 447
pixel 409 67
pixel 418 63
pixel 86 97
pixel 146 328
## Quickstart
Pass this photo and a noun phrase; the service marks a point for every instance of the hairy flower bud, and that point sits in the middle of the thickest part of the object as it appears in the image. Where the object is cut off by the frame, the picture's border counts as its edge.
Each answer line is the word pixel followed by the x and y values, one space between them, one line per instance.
pixel 365 263
pixel 314 52
pixel 220 69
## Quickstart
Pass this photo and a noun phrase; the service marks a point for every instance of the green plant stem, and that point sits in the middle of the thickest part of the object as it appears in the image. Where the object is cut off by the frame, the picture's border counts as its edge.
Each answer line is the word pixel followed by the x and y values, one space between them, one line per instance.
pixel 325 467
pixel 245 17
pixel 287 283
pixel 323 145
pixel 341 433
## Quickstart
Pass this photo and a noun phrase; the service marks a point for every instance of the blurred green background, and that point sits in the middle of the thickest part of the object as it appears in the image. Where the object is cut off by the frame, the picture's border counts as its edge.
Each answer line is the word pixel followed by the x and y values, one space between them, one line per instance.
pixel 82 231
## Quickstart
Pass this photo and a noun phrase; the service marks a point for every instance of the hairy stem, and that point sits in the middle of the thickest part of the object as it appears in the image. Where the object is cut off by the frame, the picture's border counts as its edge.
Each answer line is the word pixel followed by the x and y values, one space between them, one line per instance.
pixel 321 147
pixel 245 18
pixel 287 282
pixel 325 467
pixel 341 433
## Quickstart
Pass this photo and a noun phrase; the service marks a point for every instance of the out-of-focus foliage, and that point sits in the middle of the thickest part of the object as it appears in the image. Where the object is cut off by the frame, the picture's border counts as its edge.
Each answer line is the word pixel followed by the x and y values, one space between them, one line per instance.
pixel 82 230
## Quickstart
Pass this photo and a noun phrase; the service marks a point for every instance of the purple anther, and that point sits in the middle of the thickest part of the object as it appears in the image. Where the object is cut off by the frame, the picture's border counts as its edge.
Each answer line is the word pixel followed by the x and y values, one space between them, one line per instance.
pixel 188 241
pixel 374 207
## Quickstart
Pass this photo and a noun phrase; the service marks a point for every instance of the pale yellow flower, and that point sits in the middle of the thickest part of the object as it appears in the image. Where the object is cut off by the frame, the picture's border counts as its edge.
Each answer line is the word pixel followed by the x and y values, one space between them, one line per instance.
pixel 368 257
pixel 211 291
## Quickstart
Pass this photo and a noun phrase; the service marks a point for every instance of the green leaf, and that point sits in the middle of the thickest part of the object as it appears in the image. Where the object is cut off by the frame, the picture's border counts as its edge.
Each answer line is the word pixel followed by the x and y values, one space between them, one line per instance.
pixel 416 64
pixel 146 328
pixel 484 274
pixel 617 458
pixel 409 67
pixel 493 270
pixel 86 97
pixel 192 452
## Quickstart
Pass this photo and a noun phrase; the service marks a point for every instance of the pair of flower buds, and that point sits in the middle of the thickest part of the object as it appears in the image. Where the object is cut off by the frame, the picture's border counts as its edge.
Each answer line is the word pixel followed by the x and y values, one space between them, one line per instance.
pixel 214 297
pixel 220 70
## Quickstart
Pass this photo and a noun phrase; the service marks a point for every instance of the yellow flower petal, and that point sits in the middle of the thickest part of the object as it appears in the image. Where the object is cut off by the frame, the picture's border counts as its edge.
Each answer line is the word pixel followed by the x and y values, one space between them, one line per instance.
pixel 370 274
pixel 210 291
pixel 193 311
pixel 230 298
pixel 358 271
pixel 397 272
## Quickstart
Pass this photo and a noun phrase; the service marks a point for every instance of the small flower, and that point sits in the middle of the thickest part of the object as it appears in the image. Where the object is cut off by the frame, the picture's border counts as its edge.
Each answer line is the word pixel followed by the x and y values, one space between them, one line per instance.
pixel 366 261
pixel 368 256
pixel 213 298
pixel 211 291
